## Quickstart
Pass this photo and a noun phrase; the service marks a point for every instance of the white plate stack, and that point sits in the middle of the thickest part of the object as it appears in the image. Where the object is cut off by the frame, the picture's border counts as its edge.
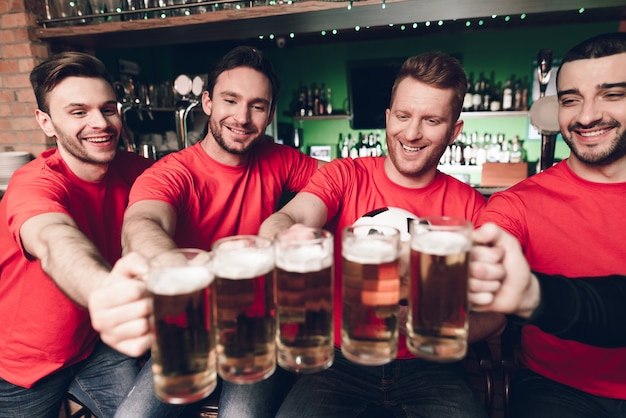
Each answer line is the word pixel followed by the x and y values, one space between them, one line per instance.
pixel 9 162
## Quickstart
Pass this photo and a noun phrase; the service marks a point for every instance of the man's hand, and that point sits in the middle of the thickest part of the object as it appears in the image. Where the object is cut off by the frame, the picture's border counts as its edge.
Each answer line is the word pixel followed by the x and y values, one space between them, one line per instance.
pixel 120 308
pixel 500 278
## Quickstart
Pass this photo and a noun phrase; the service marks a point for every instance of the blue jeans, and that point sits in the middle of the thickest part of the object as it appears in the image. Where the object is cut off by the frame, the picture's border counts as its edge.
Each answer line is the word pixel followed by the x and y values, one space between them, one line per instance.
pixel 100 382
pixel 258 400
pixel 533 395
pixel 402 388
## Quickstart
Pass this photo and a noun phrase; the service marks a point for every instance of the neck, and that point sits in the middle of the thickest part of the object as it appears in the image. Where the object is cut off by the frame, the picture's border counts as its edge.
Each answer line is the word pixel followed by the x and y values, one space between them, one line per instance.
pixel 219 154
pixel 614 172
pixel 412 182
pixel 84 170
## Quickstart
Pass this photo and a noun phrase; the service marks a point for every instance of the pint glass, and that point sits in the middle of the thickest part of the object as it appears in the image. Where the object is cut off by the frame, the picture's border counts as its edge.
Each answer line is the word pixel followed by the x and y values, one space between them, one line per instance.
pixel 371 292
pixel 438 307
pixel 183 348
pixel 244 308
pixel 304 294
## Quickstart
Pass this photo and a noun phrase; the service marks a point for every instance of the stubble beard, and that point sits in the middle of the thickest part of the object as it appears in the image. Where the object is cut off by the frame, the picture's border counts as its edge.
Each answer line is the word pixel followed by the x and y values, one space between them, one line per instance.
pixel 72 145
pixel 615 151
pixel 214 128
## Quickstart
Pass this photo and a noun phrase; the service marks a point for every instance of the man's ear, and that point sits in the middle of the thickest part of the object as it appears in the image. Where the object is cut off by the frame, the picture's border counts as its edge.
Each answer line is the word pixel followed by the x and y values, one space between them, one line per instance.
pixel 45 123
pixel 207 103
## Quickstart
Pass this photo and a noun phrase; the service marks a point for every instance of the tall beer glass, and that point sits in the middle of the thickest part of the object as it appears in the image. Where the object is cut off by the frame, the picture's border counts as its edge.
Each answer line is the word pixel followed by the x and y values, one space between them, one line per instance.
pixel 438 307
pixel 304 294
pixel 371 292
pixel 183 349
pixel 244 308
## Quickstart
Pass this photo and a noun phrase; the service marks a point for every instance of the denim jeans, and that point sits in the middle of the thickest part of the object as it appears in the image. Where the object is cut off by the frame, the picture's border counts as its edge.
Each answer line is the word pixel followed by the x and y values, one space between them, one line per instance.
pixel 533 395
pixel 100 382
pixel 402 388
pixel 258 400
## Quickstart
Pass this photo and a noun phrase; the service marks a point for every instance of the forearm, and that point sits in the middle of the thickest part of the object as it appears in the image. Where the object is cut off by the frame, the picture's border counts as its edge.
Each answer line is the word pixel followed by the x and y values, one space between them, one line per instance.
pixel 148 228
pixel 588 310
pixel 277 222
pixel 71 260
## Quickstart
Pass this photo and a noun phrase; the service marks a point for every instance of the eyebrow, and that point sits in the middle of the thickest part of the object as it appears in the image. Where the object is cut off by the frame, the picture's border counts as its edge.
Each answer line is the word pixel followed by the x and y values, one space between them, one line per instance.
pixel 107 103
pixel 602 86
pixel 229 93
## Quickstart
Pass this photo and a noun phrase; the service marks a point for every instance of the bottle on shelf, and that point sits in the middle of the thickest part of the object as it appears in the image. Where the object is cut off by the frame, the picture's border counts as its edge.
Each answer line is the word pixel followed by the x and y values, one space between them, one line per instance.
pixel 467 100
pixel 507 94
pixel 329 104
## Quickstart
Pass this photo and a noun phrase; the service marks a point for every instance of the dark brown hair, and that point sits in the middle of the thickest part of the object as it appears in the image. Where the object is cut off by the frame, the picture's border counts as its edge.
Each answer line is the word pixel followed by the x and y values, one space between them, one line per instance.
pixel 47 75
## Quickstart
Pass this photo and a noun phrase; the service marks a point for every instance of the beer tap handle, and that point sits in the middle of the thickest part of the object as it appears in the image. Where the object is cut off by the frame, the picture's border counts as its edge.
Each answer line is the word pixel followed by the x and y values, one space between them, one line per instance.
pixel 544 65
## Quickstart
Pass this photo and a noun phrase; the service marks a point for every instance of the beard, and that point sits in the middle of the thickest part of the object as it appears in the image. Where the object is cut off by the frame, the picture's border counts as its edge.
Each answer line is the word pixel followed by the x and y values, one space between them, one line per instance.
pixel 73 146
pixel 430 161
pixel 605 156
pixel 216 132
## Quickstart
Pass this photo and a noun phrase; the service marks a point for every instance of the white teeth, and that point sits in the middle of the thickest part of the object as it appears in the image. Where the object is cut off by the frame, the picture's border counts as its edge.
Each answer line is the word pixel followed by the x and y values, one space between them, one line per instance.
pixel 98 140
pixel 594 133
pixel 411 149
pixel 238 132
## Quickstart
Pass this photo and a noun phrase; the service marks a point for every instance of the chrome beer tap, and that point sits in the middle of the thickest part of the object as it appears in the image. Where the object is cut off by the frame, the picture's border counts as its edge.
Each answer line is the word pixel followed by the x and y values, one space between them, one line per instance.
pixel 183 85
pixel 544 65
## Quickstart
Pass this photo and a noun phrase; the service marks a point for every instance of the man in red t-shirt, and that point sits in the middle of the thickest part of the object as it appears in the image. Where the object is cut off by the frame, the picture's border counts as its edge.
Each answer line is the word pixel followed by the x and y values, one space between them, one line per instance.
pixel 421 122
pixel 225 185
pixel 60 228
pixel 568 222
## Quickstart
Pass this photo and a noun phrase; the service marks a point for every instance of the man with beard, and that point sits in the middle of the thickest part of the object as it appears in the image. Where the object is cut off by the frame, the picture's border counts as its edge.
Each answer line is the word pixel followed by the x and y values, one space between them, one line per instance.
pixel 224 185
pixel 568 222
pixel 60 227
pixel 423 119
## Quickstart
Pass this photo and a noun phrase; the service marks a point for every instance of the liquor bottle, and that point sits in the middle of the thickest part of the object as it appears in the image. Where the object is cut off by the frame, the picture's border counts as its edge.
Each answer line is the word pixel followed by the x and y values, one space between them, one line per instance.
pixel 505 152
pixel 329 104
pixel 477 96
pixel 517 95
pixel 481 151
pixel 496 99
pixel 467 100
pixel 517 154
pixel 340 145
pixel 493 148
pixel 507 95
pixel 354 147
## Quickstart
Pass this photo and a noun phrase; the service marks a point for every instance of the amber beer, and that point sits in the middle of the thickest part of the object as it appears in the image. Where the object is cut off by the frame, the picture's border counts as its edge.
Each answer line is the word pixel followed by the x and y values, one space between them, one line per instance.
pixel 438 307
pixel 371 292
pixel 183 349
pixel 304 293
pixel 244 308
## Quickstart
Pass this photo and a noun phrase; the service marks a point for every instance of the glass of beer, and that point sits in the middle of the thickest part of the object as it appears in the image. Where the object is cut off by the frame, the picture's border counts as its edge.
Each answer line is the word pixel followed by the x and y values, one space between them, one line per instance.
pixel 438 307
pixel 371 292
pixel 304 294
pixel 183 349
pixel 244 308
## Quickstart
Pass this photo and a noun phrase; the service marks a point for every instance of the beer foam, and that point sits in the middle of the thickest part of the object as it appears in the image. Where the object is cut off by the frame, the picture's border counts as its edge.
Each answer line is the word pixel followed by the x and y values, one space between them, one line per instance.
pixel 441 243
pixel 304 259
pixel 179 280
pixel 243 263
pixel 370 252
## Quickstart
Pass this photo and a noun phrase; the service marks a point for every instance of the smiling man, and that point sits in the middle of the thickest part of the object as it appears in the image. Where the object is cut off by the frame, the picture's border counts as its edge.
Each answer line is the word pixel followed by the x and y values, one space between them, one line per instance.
pixel 60 228
pixel 224 185
pixel 568 220
pixel 422 120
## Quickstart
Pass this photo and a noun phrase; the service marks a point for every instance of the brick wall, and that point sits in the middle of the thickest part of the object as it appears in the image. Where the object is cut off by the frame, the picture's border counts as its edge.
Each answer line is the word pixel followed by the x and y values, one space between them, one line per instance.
pixel 19 53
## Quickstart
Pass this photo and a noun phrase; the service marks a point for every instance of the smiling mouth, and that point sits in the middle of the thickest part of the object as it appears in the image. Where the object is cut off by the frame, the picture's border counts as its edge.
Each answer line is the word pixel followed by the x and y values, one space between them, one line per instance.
pixel 237 131
pixel 411 149
pixel 98 140
pixel 591 134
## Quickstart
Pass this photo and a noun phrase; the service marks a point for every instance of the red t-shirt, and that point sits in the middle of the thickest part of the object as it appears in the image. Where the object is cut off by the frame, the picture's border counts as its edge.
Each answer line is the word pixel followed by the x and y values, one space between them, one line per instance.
pixel 352 187
pixel 572 227
pixel 42 330
pixel 213 200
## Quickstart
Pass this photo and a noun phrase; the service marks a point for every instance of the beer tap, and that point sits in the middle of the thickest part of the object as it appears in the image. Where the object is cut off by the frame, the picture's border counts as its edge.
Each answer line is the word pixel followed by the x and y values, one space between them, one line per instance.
pixel 183 85
pixel 544 65
pixel 123 106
